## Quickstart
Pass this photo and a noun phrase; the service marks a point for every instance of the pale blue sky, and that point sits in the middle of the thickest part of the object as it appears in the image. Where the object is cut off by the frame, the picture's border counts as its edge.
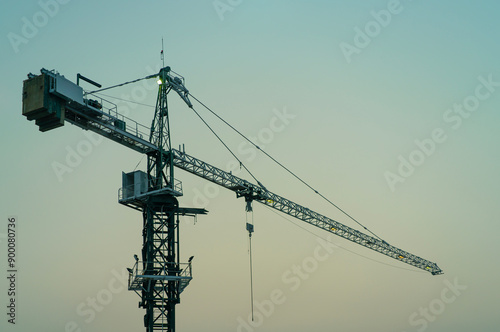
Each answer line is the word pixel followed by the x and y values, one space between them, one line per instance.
pixel 354 119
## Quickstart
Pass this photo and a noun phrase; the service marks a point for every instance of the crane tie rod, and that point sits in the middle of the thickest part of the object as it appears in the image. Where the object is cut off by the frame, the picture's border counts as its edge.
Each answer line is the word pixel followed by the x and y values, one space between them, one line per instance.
pixel 122 84
pixel 284 167
pixel 213 132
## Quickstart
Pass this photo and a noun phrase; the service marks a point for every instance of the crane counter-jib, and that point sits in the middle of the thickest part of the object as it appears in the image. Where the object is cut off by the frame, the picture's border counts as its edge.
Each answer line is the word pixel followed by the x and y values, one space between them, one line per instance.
pixel 244 188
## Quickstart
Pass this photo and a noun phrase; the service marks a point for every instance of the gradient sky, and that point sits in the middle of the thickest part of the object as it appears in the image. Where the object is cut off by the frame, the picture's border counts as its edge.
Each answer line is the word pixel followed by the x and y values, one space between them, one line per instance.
pixel 356 117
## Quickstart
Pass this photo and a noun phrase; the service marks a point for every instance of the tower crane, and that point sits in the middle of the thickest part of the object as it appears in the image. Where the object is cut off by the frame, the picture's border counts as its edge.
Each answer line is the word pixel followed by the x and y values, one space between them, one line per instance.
pixel 158 276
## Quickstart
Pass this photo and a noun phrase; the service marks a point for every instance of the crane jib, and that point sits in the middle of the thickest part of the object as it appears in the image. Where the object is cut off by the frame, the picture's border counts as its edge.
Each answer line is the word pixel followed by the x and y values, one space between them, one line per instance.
pixel 244 188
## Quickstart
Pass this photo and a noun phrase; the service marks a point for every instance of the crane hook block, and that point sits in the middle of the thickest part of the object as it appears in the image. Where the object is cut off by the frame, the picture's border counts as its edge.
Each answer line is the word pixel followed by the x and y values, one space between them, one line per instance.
pixel 248 206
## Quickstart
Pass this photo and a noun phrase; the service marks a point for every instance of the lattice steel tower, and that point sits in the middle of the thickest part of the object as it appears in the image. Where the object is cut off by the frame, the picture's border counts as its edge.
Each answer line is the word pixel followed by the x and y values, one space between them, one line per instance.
pixel 160 277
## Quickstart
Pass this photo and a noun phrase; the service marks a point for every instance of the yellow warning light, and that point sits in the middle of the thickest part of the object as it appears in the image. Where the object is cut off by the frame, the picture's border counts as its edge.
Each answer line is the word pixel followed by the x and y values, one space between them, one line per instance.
pixel 270 201
pixel 401 257
pixel 333 229
pixel 428 267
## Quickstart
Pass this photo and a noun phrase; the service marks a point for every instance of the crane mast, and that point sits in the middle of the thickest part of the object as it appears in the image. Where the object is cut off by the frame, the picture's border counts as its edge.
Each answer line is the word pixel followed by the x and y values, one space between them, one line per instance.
pixel 159 277
pixel 159 160
pixel 159 226
pixel 162 279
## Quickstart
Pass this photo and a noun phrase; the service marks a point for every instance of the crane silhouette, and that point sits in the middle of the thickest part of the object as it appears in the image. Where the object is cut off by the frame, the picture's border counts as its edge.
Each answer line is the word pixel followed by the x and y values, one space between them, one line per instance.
pixel 159 277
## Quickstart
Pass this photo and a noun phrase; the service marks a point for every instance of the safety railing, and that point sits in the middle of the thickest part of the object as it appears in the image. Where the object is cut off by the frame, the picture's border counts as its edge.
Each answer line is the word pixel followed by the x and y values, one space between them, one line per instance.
pixel 142 271
pixel 119 120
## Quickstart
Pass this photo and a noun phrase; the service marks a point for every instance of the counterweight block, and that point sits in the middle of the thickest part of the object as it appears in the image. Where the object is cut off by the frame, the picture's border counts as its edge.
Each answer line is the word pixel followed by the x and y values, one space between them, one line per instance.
pixel 46 109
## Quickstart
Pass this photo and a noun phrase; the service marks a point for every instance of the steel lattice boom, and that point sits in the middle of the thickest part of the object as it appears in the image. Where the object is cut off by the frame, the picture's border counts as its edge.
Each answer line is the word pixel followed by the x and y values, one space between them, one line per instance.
pixel 264 196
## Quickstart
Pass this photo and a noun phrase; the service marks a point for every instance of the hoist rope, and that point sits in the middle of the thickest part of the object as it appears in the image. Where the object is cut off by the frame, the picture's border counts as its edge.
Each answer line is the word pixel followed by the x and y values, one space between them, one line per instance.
pixel 122 84
pixel 251 267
